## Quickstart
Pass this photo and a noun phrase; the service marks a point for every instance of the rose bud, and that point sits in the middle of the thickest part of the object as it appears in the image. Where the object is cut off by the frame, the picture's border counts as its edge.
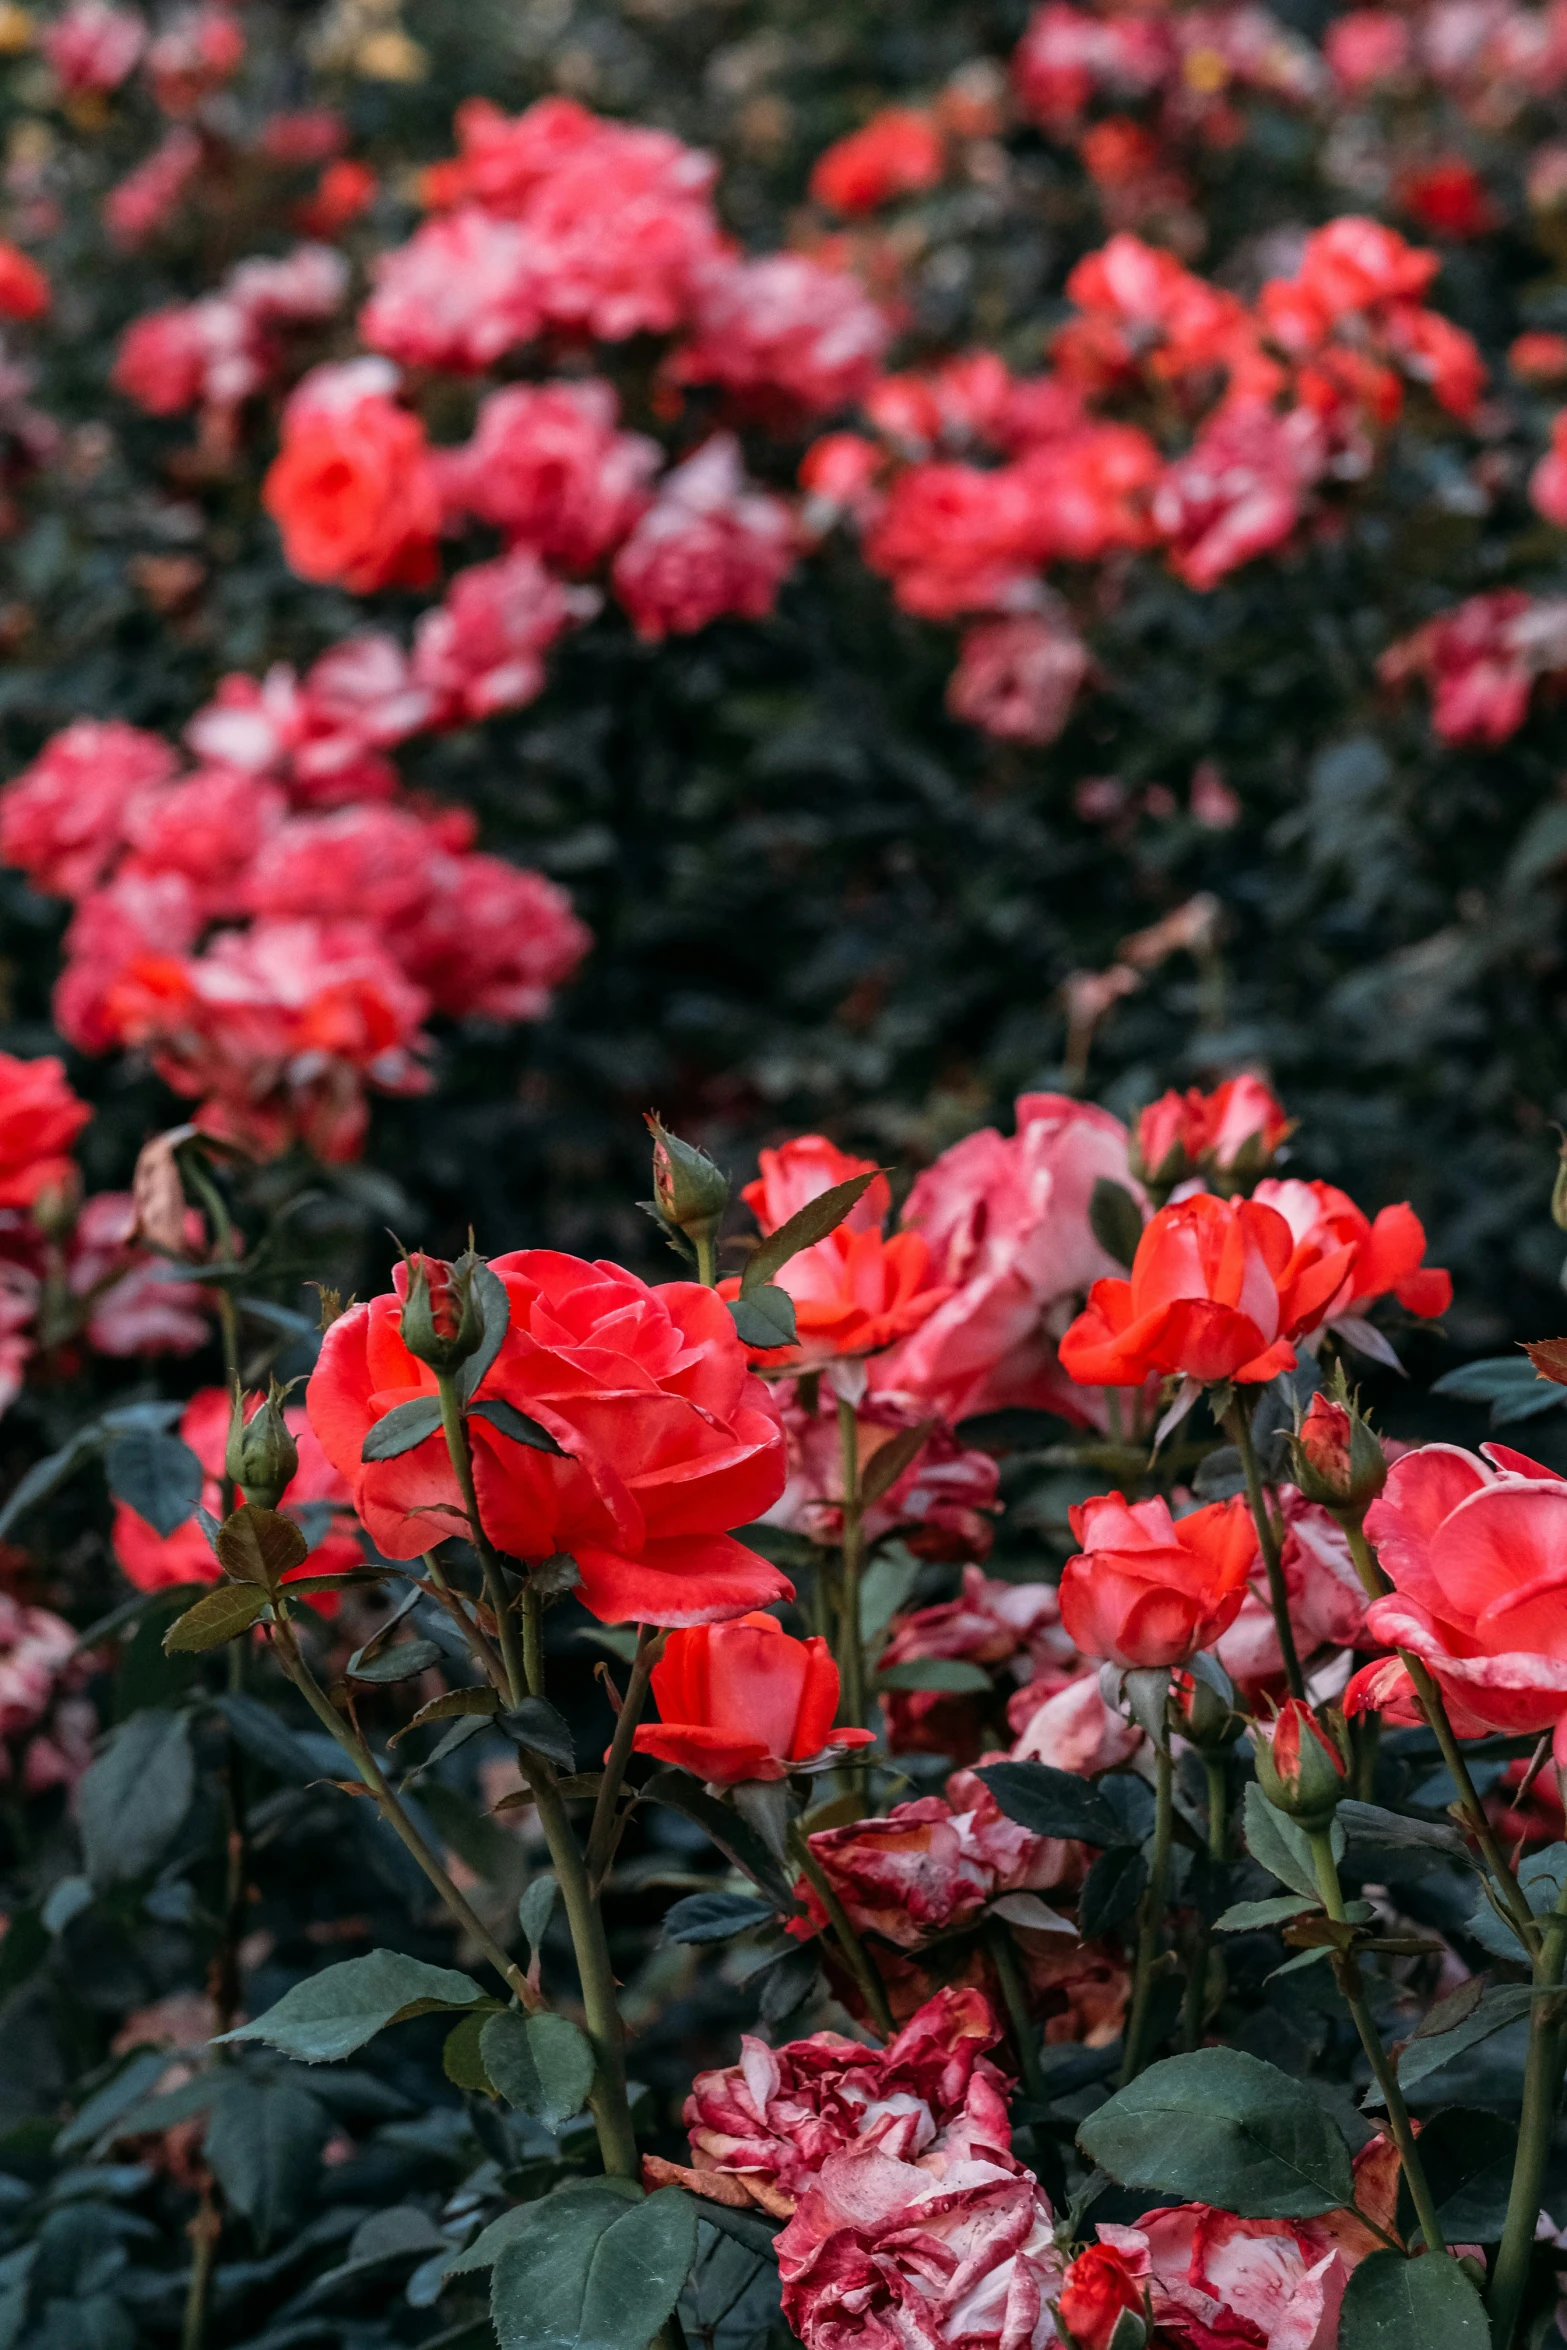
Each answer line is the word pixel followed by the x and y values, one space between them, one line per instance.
pixel 1101 2304
pixel 744 1700
pixel 1202 1715
pixel 261 1456
pixel 441 1323
pixel 1338 1460
pixel 690 1194
pixel 1300 1767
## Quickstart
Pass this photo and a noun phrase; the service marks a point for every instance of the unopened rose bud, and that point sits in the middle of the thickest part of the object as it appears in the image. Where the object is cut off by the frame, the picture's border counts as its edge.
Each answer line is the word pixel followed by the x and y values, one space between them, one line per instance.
pixel 690 1193
pixel 442 1324
pixel 1160 1156
pixel 1203 1716
pixel 262 1455
pixel 1301 1768
pixel 1338 1460
pixel 56 1207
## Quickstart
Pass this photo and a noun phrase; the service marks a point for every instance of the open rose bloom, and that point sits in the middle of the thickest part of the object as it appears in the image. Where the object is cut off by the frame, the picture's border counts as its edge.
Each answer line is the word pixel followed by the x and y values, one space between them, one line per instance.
pixel 1476 1550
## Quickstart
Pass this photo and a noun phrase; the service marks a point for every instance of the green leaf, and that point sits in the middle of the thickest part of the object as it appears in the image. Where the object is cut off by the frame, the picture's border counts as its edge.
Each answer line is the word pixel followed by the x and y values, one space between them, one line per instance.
pixel 1224 2128
pixel 1278 1845
pixel 535 1724
pixel 264 2143
pixel 156 1474
pixel 1397 2304
pixel 222 1616
pixel 333 2013
pixel 480 1699
pixel 734 1837
pixel 764 1317
pixel 1468 2159
pixel 803 1229
pixel 133 1799
pixel 536 1908
pixel 586 2269
pixel 1540 1880
pixel 885 1587
pixel 259 1546
pixel 1370 1828
pixel 1049 1802
pixel 506 1418
pixel 461 2059
pixel 1503 2004
pixel 1111 1890
pixel 953 1676
pixel 495 1305
pixel 400 1429
pixel 888 1462
pixel 541 2064
pixel 1244 1917
pixel 714 1917
pixel 1115 1219
pixel 402 1662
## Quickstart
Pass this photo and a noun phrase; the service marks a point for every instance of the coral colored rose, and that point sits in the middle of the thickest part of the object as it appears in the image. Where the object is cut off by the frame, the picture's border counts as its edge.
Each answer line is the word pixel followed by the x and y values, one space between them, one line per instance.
pixel 1476 1551
pixel 24 289
pixel 154 1561
pixel 1149 1589
pixel 761 2129
pixel 352 489
pixel 1219 1288
pixel 853 1292
pixel 881 2255
pixel 1214 2279
pixel 40 1118
pixel 1239 1126
pixel 667 1440
pixel 741 1700
pixel 1006 1218
pixel 898 153
pixel 1098 2288
pixel 1389 1249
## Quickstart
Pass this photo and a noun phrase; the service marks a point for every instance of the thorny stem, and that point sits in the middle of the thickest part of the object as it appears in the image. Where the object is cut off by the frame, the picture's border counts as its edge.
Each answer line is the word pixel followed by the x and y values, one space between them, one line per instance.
pixel 1376 1586
pixel 1542 2088
pixel 851 1654
pixel 609 2101
pixel 601 1836
pixel 533 1639
pixel 705 1244
pixel 872 1989
pixel 205 2230
pixel 1218 1850
pixel 358 1751
pixel 479 1648
pixel 1238 1427
pixel 1014 1992
pixel 1346 1969
pixel 1152 1914
pixel 518 1685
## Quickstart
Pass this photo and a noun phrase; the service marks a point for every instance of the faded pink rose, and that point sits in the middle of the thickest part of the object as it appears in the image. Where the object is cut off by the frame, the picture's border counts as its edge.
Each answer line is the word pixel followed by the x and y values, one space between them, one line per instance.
pixel 1327 1605
pixel 1017 1625
pixel 1214 2279
pixel 940 1499
pixel 929 1866
pixel 761 2129
pixel 1006 1220
pixel 881 2255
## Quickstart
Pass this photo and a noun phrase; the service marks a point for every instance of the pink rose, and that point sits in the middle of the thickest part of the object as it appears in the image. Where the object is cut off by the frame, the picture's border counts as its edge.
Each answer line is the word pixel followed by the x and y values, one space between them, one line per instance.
pixel 1327 1605
pixel 1213 2278
pixel 991 1623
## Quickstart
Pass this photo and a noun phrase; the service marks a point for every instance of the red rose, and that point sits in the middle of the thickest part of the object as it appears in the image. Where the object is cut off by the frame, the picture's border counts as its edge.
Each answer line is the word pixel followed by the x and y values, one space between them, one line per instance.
pixel 898 153
pixel 40 1118
pixel 1219 1288
pixel 1098 2288
pixel 742 1700
pixel 352 489
pixel 1149 1589
pixel 667 1440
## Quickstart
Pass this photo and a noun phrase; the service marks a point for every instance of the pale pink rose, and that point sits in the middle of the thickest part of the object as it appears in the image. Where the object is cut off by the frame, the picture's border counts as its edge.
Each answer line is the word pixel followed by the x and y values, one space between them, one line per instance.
pixel 1016 1625
pixel 1073 1729
pixel 1006 1219
pixel 761 2129
pixel 1214 2278
pixel 882 2256
pixel 941 1494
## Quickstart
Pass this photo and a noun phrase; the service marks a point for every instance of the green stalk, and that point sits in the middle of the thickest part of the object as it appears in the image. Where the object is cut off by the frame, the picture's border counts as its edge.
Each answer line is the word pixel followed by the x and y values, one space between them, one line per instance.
pixel 1346 1969
pixel 705 1244
pixel 1433 1706
pixel 601 1836
pixel 872 1989
pixel 1150 1929
pixel 479 1648
pixel 1238 1428
pixel 1218 1851
pixel 1542 2088
pixel 1014 1993
pixel 851 1653
pixel 533 1640
pixel 518 1684
pixel 358 1751
pixel 609 2101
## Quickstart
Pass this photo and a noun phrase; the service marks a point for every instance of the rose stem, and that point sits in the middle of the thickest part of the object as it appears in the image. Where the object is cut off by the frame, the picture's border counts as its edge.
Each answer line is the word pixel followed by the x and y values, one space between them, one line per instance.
pixel 872 1989
pixel 518 1684
pixel 1542 2087
pixel 1432 1705
pixel 1346 1969
pixel 851 1656
pixel 601 1835
pixel 1218 1848
pixel 1152 1913
pixel 1014 1991
pixel 1238 1428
